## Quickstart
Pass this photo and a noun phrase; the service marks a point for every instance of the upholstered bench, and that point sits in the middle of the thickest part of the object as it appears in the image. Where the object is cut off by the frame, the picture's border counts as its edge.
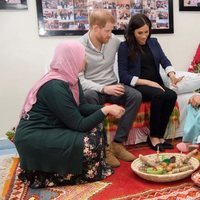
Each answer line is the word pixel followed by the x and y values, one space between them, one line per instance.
pixel 141 123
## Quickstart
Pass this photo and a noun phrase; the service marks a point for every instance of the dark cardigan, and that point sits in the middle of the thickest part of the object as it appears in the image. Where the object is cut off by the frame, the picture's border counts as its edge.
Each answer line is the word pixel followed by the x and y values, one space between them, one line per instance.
pixel 52 139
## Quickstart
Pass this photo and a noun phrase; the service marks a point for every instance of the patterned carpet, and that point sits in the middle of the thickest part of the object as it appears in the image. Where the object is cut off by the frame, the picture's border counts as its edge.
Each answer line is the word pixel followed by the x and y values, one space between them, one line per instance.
pixel 14 189
pixel 123 185
pixel 185 191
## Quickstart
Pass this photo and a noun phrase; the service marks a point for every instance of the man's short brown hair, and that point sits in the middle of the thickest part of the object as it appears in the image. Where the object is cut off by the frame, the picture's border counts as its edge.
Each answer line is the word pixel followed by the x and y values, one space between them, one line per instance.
pixel 101 17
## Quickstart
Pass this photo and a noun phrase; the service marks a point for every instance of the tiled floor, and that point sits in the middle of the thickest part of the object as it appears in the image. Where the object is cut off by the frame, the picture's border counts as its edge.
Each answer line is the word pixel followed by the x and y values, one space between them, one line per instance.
pixel 7 147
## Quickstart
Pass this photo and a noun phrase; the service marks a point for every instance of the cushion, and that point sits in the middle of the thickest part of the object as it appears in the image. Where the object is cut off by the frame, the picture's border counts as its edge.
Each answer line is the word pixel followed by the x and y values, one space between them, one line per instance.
pixel 142 120
pixel 190 82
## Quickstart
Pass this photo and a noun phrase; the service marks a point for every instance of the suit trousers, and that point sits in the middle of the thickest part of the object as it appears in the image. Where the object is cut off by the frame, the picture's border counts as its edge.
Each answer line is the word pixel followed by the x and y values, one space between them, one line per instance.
pixel 162 105
pixel 131 101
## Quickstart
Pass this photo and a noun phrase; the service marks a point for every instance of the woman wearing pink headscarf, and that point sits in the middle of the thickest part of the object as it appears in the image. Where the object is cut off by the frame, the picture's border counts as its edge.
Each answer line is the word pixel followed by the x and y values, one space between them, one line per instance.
pixel 60 138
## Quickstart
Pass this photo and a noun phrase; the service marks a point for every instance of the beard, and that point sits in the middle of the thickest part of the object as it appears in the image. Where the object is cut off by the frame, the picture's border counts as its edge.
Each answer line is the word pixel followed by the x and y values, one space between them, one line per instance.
pixel 103 40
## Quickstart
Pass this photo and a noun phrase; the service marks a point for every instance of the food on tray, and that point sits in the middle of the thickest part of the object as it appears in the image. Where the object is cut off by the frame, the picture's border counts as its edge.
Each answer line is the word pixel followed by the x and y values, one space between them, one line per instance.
pixel 161 164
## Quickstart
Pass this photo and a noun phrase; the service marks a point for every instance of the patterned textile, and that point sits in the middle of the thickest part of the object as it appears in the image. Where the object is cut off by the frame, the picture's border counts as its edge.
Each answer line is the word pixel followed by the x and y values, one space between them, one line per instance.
pixel 180 192
pixel 142 120
pixel 14 189
pixel 123 184
pixel 94 165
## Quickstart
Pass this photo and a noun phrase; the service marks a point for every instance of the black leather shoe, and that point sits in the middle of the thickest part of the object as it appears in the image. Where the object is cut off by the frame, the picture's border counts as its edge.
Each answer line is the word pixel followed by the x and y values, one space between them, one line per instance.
pixel 167 145
pixel 155 148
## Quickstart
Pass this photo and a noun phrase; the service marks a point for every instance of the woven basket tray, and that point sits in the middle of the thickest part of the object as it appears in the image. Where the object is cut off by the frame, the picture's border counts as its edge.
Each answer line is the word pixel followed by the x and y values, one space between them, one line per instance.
pixel 165 177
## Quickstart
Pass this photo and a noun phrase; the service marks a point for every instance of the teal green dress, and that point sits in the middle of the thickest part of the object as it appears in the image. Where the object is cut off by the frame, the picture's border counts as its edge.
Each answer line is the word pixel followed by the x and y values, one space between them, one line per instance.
pixel 51 138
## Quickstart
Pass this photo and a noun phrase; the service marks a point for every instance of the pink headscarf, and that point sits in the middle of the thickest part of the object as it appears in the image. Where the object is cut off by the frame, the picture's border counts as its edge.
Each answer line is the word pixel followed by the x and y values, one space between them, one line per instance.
pixel 66 64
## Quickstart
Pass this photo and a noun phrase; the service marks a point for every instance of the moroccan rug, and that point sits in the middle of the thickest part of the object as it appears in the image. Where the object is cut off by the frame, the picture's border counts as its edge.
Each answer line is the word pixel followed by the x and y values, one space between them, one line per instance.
pixel 123 185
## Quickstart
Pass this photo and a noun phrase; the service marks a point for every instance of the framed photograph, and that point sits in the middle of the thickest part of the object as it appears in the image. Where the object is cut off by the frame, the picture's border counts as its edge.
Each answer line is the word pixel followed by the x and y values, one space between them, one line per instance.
pixel 189 5
pixel 70 17
pixel 13 4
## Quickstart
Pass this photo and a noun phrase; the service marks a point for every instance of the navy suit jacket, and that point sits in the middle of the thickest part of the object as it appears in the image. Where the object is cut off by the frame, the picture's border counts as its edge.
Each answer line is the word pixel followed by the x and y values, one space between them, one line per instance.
pixel 127 68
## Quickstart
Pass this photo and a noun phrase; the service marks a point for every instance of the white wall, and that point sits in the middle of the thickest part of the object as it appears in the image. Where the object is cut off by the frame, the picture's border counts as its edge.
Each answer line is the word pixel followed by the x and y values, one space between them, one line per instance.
pixel 24 55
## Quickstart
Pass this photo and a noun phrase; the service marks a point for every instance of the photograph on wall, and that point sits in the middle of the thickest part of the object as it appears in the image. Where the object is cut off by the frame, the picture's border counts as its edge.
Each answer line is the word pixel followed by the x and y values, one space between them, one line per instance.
pixel 70 17
pixel 13 4
pixel 189 5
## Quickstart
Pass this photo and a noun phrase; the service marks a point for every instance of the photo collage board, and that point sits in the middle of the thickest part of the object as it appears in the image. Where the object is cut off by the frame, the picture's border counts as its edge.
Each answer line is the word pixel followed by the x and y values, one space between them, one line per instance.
pixel 72 15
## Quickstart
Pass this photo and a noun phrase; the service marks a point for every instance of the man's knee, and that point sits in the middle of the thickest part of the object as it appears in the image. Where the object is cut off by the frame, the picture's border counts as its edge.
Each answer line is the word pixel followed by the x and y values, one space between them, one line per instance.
pixel 91 96
pixel 133 94
pixel 138 95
